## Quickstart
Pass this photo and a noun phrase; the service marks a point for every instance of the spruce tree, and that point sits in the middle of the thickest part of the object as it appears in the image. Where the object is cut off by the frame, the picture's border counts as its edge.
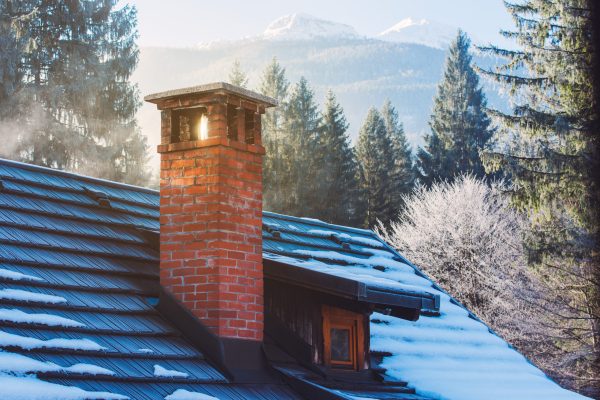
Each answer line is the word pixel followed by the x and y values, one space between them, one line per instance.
pixel 376 163
pixel 302 124
pixel 548 147
pixel 336 170
pixel 459 124
pixel 10 78
pixel 237 76
pixel 75 60
pixel 275 85
pixel 402 174
pixel 433 161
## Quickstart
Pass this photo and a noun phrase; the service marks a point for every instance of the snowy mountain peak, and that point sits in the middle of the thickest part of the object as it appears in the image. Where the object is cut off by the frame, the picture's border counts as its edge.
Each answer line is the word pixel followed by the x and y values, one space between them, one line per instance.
pixel 422 31
pixel 306 27
pixel 405 23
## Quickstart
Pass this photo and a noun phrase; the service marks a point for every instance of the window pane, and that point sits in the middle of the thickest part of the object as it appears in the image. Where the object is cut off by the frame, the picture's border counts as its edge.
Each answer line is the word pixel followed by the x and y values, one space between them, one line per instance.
pixel 340 344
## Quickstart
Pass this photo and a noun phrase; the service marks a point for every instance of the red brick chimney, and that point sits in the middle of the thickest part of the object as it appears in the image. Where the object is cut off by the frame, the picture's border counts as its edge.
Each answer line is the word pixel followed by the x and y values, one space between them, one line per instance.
pixel 211 205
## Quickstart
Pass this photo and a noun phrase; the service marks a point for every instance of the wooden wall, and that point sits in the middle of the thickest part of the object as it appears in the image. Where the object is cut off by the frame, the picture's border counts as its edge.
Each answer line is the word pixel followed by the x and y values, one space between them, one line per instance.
pixel 296 311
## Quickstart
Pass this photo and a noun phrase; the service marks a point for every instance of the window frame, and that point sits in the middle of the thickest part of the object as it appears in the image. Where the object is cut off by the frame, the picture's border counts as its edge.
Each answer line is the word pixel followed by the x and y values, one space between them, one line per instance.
pixel 334 317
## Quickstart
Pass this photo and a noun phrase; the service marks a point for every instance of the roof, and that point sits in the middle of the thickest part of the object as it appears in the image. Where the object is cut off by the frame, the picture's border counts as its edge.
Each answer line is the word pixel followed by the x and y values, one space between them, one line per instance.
pixel 79 281
pixel 331 258
pixel 78 284
pixel 446 354
pixel 216 87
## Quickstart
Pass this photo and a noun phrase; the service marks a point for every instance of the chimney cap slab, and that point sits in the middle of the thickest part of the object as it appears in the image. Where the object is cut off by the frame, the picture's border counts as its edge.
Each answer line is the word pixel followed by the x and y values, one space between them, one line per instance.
pixel 217 88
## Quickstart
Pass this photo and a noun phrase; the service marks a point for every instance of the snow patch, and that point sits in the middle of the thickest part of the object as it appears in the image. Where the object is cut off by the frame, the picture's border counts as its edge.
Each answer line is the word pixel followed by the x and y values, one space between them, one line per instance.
pixel 31 388
pixel 182 394
pixel 146 351
pixel 312 220
pixel 168 373
pixel 20 364
pixel 29 343
pixel 17 276
pixel 24 295
pixel 18 316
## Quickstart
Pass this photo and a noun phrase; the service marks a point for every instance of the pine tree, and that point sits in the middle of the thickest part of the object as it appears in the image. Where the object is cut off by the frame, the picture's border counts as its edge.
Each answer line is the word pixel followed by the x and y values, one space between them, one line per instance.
pixel 548 148
pixel 376 164
pixel 402 174
pixel 78 108
pixel 459 124
pixel 336 174
pixel 237 76
pixel 275 85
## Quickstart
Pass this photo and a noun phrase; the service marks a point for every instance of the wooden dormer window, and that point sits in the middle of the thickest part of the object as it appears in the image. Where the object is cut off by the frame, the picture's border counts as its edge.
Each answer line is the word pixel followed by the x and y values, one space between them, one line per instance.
pixel 343 338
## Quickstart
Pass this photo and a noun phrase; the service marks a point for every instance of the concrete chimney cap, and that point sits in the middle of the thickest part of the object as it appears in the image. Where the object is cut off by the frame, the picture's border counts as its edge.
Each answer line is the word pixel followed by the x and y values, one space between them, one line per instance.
pixel 215 87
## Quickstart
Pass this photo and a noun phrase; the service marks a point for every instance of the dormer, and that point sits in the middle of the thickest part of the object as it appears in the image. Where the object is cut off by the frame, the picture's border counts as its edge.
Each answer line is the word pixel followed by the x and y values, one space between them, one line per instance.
pixel 320 315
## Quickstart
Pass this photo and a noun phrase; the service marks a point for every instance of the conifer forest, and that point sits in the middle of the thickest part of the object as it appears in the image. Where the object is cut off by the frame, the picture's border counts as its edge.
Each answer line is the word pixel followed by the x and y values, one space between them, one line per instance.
pixel 500 206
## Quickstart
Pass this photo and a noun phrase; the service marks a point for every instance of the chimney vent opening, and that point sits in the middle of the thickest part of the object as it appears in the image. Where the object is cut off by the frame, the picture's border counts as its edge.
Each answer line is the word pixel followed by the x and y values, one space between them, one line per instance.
pixel 189 124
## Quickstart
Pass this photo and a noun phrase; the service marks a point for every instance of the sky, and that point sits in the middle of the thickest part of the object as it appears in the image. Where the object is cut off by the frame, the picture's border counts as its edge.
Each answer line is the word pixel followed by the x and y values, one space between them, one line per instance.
pixel 183 23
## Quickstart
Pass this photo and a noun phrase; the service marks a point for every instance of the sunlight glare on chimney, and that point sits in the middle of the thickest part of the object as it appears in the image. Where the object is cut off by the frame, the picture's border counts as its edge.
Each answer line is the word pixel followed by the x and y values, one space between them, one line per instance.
pixel 203 127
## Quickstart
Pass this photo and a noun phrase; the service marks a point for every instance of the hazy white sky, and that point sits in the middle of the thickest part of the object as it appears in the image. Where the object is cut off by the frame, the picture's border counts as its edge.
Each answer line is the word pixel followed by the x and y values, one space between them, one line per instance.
pixel 188 22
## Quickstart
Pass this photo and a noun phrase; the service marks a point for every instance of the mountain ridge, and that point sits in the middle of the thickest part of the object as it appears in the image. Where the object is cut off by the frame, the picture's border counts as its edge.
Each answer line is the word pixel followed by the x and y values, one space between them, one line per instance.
pixel 362 72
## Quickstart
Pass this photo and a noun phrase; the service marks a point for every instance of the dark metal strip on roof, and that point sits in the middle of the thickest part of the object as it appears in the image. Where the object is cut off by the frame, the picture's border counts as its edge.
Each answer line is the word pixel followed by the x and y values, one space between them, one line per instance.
pixel 155 391
pixel 316 223
pixel 51 208
pixel 26 255
pixel 314 280
pixel 100 323
pixel 86 281
pixel 132 369
pixel 318 242
pixel 329 235
pixel 406 300
pixel 63 179
pixel 83 196
pixel 349 288
pixel 116 346
pixel 70 227
pixel 76 244
pixel 77 300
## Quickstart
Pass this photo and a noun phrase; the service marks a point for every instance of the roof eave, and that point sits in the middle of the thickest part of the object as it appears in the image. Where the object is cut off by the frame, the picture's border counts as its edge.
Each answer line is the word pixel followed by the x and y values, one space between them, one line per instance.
pixel 347 288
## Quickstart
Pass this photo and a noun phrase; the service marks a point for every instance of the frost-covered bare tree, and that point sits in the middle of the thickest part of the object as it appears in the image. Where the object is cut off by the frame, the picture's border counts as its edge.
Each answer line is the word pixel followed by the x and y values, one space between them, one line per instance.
pixel 466 237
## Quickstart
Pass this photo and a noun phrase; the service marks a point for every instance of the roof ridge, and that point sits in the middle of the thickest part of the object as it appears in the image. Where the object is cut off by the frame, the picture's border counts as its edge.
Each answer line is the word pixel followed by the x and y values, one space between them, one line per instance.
pixel 85 178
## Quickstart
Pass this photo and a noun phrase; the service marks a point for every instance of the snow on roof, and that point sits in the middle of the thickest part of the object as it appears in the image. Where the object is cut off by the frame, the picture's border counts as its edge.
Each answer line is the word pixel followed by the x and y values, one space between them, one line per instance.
pixel 30 388
pixel 29 343
pixel 19 364
pixel 75 279
pixel 168 373
pixel 17 316
pixel 358 272
pixel 24 295
pixel 451 356
pixel 17 276
pixel 182 394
